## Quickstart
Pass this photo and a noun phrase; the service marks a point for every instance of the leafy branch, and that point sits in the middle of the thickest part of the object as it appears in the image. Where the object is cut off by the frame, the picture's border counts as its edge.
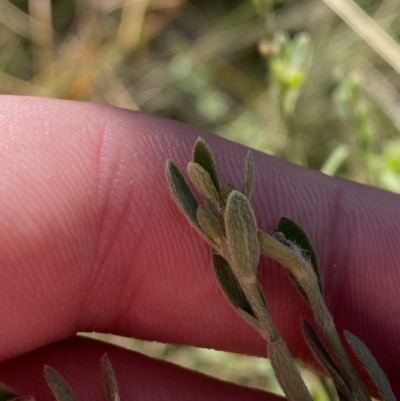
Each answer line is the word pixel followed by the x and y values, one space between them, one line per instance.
pixel 226 221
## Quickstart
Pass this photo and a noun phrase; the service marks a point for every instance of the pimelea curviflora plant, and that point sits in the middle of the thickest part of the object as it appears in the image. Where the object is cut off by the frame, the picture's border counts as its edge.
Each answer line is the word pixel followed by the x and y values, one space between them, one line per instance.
pixel 227 223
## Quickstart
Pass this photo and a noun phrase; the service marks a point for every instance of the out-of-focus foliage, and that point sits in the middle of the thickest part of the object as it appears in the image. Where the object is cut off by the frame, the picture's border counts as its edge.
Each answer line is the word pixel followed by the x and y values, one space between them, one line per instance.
pixel 288 77
pixel 275 75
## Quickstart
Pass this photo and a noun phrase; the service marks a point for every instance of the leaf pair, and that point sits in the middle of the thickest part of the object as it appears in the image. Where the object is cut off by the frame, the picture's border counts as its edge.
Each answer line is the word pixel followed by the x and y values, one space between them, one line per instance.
pixel 63 392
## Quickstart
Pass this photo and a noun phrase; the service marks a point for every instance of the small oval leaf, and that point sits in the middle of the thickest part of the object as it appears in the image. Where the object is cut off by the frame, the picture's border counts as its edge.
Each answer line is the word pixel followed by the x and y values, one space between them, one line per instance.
pixel 225 192
pixel 203 182
pixel 181 192
pixel 203 156
pixel 371 366
pixel 230 284
pixel 110 381
pixel 249 176
pixel 210 224
pixel 241 233
pixel 59 387
pixel 324 358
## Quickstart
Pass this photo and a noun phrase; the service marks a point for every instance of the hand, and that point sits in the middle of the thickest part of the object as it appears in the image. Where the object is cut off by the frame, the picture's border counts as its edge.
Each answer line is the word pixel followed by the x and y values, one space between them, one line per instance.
pixel 91 240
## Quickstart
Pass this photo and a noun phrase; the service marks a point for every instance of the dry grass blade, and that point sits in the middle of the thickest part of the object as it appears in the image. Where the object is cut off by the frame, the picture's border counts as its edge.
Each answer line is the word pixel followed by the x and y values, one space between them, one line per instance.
pixel 368 29
pixel 60 388
pixel 110 381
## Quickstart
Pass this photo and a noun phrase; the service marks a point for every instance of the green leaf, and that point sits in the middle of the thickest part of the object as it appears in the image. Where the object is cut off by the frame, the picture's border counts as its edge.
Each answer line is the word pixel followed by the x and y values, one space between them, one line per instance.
pixel 110 381
pixel 203 156
pixel 286 372
pixel 294 233
pixel 371 366
pixel 210 224
pixel 230 285
pixel 249 176
pixel 6 394
pixel 241 233
pixel 322 355
pixel 181 192
pixel 300 46
pixel 277 247
pixel 59 387
pixel 225 192
pixel 202 181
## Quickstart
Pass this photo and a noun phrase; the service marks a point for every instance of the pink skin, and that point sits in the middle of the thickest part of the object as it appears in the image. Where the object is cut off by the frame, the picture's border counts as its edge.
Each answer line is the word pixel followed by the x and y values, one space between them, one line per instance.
pixel 91 240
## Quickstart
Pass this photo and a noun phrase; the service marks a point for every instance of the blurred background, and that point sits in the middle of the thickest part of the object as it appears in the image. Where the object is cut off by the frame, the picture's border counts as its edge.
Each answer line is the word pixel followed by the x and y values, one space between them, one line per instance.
pixel 315 82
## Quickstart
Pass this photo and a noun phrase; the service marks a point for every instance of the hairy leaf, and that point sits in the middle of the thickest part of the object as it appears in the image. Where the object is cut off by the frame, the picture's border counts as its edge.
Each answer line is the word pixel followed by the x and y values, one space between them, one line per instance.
pixel 230 284
pixel 294 233
pixel 371 366
pixel 181 192
pixel 249 176
pixel 110 381
pixel 210 224
pixel 225 192
pixel 6 394
pixel 59 387
pixel 203 182
pixel 241 232
pixel 322 355
pixel 203 156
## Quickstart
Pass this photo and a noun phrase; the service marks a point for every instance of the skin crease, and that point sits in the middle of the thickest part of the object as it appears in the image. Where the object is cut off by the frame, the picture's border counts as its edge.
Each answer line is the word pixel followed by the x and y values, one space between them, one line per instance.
pixel 92 241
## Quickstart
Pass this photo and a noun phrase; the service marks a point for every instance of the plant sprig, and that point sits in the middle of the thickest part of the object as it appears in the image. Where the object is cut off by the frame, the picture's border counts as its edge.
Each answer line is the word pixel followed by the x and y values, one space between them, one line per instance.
pixel 226 221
